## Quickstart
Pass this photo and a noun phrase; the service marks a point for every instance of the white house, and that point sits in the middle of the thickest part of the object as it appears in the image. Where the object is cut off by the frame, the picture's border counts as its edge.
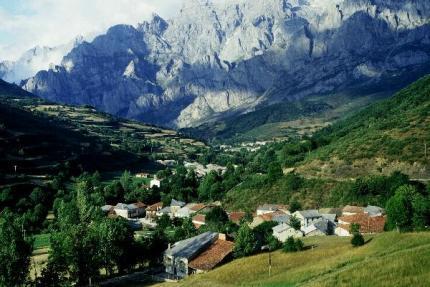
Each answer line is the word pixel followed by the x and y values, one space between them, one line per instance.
pixel 283 231
pixel 307 217
pixel 129 210
pixel 154 182
pixel 318 228
pixel 270 208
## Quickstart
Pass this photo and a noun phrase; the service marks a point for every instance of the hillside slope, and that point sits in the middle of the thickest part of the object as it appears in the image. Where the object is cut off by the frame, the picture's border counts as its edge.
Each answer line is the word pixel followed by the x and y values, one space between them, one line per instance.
pixel 389 259
pixel 390 135
pixel 40 138
pixel 385 137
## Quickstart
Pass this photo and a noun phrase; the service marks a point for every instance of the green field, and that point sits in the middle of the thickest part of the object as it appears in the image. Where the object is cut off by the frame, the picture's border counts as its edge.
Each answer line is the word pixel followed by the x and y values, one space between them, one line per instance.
pixel 388 259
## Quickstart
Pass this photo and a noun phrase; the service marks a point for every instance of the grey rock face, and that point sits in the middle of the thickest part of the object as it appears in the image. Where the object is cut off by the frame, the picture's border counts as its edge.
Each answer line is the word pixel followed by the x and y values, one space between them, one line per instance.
pixel 216 60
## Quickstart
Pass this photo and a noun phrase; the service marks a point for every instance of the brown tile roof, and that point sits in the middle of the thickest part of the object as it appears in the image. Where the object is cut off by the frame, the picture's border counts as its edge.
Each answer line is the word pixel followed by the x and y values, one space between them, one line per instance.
pixel 213 256
pixel 198 207
pixel 367 223
pixel 236 216
pixel 199 220
pixel 269 216
pixel 353 209
pixel 155 207
pixel 140 204
pixel 199 217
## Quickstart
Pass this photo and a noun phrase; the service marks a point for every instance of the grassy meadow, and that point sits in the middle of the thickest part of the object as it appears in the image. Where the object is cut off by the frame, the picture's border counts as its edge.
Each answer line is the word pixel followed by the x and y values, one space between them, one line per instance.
pixel 388 259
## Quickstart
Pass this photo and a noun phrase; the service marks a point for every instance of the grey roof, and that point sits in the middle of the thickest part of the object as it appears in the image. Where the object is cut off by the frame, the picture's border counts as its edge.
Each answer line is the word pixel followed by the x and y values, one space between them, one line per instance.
pixel 329 217
pixel 165 210
pixel 121 206
pixel 124 206
pixel 268 207
pixel 373 210
pixel 281 227
pixel 309 213
pixel 190 247
pixel 281 218
pixel 177 203
pixel 106 208
pixel 321 225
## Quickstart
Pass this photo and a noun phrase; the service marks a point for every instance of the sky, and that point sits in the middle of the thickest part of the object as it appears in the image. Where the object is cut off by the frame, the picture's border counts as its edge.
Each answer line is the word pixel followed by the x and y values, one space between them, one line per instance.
pixel 27 23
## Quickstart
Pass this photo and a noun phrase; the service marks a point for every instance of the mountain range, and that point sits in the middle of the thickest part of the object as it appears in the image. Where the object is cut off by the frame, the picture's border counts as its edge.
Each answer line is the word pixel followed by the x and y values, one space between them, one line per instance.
pixel 215 61
pixel 34 60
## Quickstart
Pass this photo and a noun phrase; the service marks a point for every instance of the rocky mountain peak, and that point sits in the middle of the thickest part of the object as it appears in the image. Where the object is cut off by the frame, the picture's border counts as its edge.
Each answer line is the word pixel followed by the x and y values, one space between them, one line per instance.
pixel 219 59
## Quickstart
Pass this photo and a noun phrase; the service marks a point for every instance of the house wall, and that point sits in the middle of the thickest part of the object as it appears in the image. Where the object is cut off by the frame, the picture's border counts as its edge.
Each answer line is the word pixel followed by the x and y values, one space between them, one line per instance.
pixel 316 232
pixel 122 212
pixel 339 231
pixel 283 236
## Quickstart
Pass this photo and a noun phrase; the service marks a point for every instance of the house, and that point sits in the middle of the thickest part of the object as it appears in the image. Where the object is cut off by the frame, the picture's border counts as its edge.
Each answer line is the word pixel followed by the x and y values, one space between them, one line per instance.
pixel 269 208
pixel 178 257
pixel 199 220
pixel 281 217
pixel 167 162
pixel 130 210
pixel 374 210
pixel 165 210
pixel 202 170
pixel 283 231
pixel 259 219
pixel 107 208
pixel 151 211
pixel 368 224
pixel 318 228
pixel 236 216
pixel 351 210
pixel 142 175
pixel 331 210
pixel 331 222
pixel 154 182
pixel 175 205
pixel 189 209
pixel 307 217
pixel 198 207
pixel 215 255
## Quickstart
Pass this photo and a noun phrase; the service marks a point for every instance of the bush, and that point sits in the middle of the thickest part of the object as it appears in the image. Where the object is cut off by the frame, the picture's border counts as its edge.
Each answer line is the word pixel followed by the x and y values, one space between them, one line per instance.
pixel 292 245
pixel 357 240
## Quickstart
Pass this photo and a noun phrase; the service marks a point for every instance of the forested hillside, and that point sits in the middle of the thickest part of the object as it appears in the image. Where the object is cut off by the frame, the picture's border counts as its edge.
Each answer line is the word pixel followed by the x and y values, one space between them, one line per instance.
pixel 354 160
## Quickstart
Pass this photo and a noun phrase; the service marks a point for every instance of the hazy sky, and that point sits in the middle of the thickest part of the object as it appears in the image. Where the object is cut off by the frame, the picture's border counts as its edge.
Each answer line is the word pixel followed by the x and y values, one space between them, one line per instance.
pixel 27 23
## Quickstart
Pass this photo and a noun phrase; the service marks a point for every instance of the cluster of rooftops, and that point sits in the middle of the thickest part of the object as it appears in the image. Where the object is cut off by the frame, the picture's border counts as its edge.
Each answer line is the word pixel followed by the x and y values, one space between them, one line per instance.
pixel 208 250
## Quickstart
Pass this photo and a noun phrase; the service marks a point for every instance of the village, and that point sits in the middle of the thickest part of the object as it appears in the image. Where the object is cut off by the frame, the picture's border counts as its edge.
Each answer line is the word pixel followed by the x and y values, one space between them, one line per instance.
pixel 209 249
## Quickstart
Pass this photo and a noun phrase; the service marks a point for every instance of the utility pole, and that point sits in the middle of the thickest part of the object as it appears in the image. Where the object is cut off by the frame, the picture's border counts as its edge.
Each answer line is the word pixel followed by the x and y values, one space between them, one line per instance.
pixel 270 263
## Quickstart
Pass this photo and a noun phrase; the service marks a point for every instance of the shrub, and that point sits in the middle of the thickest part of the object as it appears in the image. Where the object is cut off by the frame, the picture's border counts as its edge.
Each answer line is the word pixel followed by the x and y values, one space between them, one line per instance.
pixel 292 245
pixel 357 240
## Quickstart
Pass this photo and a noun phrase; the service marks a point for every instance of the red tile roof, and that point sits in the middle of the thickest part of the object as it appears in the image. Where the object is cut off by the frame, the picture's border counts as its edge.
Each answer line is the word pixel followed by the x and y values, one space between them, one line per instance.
pixel 367 223
pixel 213 256
pixel 236 216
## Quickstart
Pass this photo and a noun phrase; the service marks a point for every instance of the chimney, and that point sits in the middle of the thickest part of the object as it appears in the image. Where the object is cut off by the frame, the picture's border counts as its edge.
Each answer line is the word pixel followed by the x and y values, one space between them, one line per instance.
pixel 222 236
pixel 168 247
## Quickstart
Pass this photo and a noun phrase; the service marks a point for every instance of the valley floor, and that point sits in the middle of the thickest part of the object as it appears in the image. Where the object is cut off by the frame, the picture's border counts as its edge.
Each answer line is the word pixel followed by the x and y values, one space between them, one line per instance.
pixel 388 259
